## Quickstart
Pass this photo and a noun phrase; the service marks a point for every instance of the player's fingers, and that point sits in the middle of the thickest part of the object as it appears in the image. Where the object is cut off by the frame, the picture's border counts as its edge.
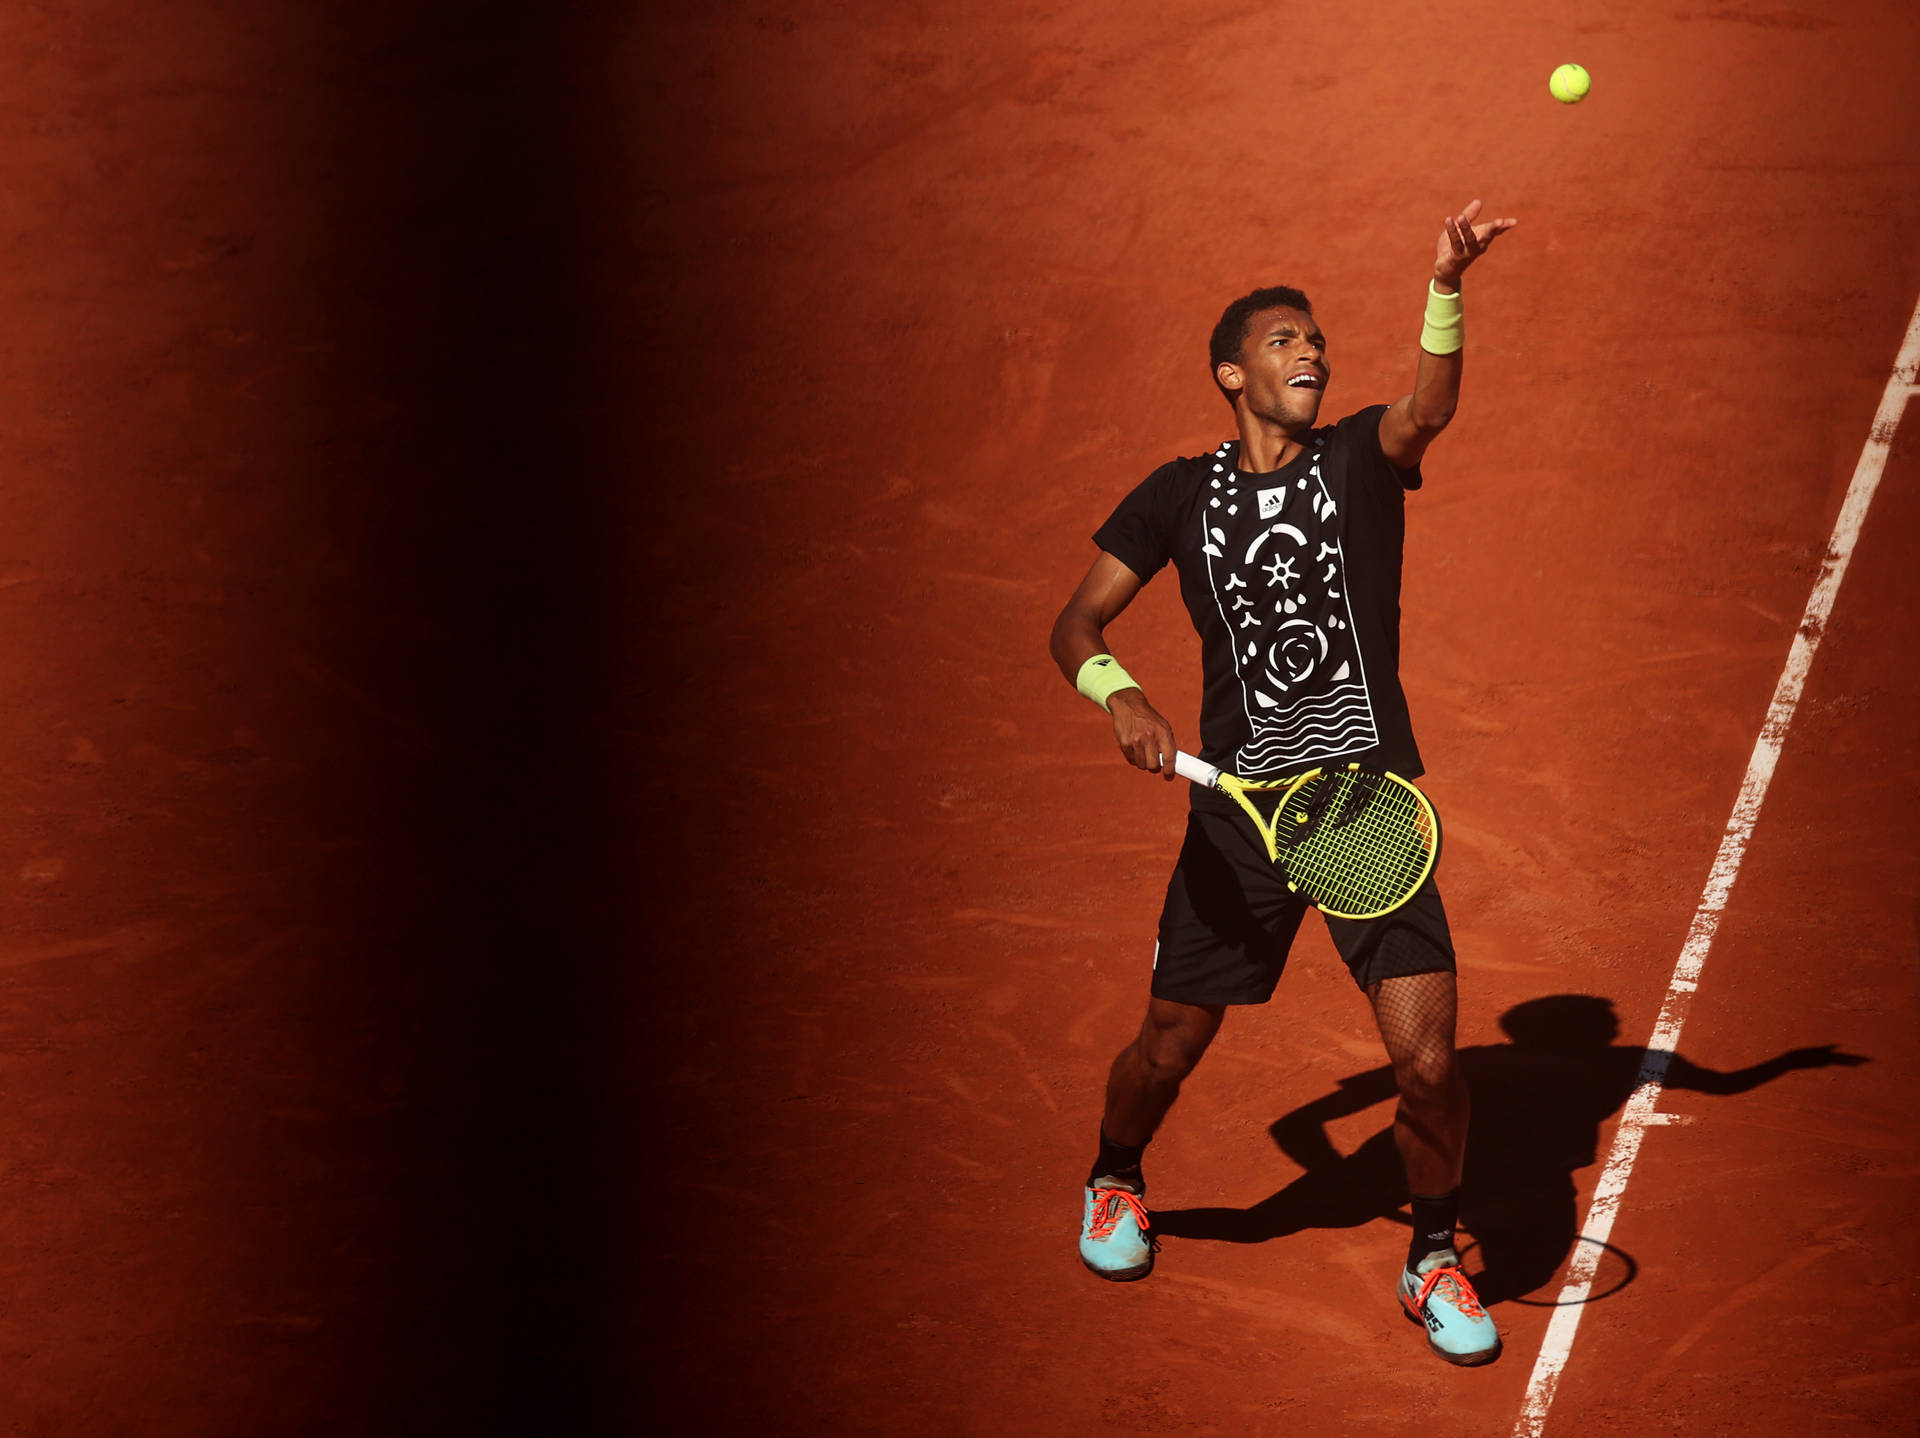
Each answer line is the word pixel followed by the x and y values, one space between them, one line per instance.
pixel 1156 749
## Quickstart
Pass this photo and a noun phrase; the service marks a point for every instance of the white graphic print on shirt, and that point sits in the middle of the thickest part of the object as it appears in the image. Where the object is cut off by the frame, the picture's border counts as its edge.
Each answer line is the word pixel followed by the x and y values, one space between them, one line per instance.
pixel 1279 581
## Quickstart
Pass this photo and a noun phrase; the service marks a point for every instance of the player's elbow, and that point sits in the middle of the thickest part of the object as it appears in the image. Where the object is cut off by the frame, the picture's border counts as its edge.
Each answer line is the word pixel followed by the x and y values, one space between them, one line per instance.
pixel 1060 639
pixel 1057 636
pixel 1432 416
pixel 1077 628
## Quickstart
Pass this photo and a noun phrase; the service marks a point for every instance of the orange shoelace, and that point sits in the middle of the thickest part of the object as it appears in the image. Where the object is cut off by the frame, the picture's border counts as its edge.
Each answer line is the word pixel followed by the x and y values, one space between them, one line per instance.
pixel 1106 1212
pixel 1459 1292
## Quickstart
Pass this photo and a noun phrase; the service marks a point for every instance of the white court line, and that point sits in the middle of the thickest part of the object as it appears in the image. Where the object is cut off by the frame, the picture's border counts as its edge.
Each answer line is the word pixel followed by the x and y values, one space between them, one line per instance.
pixel 1639 1114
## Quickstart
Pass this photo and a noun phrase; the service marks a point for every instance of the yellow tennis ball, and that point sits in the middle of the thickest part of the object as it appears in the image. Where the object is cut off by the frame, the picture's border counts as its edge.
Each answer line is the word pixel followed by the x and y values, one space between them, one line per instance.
pixel 1569 84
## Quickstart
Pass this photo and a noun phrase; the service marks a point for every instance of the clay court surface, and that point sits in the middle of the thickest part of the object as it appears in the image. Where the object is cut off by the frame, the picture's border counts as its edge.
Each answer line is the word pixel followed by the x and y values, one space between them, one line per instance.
pixel 552 880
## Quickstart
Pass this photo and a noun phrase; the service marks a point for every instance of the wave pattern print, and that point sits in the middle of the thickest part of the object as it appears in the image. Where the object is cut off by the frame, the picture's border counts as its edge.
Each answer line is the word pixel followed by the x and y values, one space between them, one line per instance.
pixel 1316 728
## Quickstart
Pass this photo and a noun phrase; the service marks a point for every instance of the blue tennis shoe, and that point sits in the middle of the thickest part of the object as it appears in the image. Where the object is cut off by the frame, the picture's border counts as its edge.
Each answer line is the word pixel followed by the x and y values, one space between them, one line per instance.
pixel 1440 1299
pixel 1115 1241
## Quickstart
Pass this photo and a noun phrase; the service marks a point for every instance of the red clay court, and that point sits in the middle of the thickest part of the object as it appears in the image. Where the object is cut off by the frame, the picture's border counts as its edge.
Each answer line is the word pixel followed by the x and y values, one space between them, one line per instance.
pixel 554 883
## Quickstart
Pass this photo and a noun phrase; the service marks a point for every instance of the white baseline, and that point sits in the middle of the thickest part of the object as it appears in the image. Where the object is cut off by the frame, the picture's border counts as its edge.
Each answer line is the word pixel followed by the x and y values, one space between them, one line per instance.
pixel 1640 1112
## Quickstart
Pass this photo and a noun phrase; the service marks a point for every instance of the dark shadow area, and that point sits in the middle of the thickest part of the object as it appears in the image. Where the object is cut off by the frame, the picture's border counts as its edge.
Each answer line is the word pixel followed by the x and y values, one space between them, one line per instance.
pixel 481 623
pixel 1538 1103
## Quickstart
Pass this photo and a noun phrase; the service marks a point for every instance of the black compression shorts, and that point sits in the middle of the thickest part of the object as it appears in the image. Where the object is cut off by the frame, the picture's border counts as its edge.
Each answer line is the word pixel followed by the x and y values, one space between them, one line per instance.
pixel 1229 921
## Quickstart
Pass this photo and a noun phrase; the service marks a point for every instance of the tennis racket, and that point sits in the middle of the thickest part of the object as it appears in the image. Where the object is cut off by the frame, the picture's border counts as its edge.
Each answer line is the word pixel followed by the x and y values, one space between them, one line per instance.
pixel 1356 843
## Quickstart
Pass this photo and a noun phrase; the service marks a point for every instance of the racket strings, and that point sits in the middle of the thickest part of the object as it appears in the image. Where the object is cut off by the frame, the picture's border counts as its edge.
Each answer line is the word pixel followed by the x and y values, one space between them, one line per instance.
pixel 1367 843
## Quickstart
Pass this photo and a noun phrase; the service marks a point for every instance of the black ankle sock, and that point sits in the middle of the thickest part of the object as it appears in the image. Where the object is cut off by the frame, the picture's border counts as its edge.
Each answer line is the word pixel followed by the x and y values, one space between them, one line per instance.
pixel 1118 1160
pixel 1433 1221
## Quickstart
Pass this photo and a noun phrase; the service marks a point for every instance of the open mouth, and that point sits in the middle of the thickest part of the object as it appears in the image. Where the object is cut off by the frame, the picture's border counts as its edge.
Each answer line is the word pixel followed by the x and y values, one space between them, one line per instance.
pixel 1307 380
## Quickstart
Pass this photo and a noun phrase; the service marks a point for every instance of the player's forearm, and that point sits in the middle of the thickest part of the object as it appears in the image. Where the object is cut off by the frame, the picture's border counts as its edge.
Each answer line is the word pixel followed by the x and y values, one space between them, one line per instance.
pixel 1436 387
pixel 1076 638
pixel 1080 632
pixel 1436 392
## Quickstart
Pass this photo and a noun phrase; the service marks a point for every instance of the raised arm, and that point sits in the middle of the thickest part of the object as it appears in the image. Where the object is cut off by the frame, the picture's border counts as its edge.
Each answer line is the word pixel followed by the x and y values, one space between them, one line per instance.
pixel 1079 634
pixel 1408 427
pixel 1682 1073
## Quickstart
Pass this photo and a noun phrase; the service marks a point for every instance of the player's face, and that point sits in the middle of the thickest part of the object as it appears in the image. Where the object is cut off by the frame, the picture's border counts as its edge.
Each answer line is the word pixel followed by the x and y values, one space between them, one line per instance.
pixel 1283 368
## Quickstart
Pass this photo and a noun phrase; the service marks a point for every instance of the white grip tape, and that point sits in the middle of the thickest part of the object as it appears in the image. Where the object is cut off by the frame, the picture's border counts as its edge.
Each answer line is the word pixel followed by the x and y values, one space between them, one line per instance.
pixel 1197 770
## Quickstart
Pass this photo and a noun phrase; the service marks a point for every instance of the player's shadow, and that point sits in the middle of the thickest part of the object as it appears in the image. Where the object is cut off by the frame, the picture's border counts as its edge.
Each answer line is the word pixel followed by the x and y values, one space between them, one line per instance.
pixel 1538 1103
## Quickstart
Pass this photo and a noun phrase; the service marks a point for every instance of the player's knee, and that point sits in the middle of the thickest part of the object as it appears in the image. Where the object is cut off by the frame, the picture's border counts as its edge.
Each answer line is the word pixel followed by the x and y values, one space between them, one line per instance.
pixel 1170 1060
pixel 1428 1077
pixel 1174 1037
pixel 1174 1053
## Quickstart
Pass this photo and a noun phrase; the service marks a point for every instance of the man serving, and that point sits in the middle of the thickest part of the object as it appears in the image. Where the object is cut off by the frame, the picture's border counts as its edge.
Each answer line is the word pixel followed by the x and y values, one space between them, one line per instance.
pixel 1287 542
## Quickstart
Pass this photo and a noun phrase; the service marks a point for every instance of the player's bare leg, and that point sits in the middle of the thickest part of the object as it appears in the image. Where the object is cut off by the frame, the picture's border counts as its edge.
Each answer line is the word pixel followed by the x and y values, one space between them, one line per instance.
pixel 1416 1014
pixel 1145 1079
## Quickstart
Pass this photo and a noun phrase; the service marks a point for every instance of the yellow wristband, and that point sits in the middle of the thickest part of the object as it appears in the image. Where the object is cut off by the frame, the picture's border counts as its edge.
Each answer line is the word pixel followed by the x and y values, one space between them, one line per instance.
pixel 1441 335
pixel 1101 677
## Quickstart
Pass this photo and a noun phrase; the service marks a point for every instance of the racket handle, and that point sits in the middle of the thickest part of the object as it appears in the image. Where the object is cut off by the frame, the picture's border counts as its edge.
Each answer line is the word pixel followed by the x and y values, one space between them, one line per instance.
pixel 1197 770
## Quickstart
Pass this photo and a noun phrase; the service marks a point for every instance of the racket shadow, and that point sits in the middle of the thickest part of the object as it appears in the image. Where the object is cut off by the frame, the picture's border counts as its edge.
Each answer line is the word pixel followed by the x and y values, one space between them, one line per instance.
pixel 1538 1104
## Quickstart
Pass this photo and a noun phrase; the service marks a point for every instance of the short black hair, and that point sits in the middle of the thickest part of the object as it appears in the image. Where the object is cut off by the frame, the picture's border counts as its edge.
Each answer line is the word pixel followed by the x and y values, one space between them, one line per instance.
pixel 1231 333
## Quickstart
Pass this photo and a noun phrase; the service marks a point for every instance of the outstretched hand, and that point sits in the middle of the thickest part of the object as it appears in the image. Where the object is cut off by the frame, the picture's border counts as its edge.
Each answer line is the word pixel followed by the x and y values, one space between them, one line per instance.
pixel 1821 1056
pixel 1462 242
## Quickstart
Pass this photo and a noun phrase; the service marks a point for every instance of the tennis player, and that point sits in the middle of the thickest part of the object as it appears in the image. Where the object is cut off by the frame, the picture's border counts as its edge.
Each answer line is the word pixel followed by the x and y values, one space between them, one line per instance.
pixel 1287 542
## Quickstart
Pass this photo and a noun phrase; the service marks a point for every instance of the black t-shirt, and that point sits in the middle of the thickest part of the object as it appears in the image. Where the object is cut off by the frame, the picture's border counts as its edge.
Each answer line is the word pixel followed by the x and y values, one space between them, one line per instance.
pixel 1293 583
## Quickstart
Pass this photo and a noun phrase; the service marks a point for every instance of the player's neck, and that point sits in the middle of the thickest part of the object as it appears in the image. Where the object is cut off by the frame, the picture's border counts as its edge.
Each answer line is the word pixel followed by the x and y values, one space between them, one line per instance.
pixel 1265 447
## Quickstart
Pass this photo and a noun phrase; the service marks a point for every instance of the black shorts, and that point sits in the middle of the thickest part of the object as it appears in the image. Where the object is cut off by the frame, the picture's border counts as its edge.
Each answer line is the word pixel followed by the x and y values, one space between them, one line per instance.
pixel 1229 921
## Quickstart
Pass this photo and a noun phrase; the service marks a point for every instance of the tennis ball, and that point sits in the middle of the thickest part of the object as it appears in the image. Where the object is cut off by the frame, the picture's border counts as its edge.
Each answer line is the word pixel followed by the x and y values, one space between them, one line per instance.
pixel 1569 85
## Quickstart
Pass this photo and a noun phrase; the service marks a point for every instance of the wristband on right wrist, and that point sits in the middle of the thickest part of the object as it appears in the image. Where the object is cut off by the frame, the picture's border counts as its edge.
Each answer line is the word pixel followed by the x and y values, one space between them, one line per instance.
pixel 1101 677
